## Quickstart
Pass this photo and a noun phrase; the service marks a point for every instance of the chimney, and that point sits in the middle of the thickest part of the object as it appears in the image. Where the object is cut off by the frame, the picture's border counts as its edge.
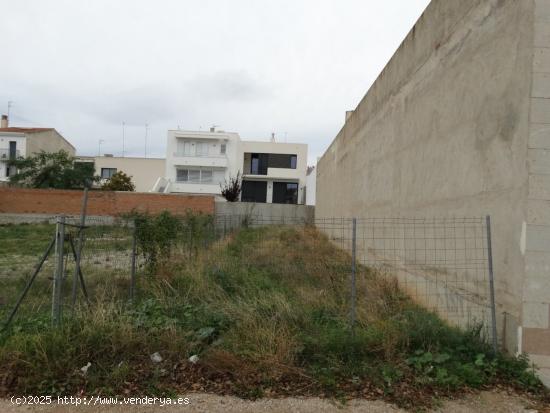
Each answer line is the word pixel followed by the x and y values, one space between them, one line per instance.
pixel 348 114
pixel 272 136
pixel 5 121
pixel 212 129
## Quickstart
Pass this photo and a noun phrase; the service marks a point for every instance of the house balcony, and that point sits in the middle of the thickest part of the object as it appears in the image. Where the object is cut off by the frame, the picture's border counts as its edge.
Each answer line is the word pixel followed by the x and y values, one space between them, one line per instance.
pixel 5 154
pixel 215 161
pixel 276 173
pixel 207 188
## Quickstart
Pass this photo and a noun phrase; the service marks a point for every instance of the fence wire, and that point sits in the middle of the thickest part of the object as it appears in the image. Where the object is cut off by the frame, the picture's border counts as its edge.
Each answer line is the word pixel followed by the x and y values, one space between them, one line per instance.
pixel 441 263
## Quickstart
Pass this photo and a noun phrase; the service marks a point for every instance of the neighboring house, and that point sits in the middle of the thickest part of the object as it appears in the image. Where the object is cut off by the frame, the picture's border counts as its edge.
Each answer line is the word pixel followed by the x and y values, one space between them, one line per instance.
pixel 144 171
pixel 311 185
pixel 273 172
pixel 198 162
pixel 22 142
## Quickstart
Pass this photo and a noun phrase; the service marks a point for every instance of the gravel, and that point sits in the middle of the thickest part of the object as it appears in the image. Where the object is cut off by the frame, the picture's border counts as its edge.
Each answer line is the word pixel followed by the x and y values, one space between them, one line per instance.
pixel 494 402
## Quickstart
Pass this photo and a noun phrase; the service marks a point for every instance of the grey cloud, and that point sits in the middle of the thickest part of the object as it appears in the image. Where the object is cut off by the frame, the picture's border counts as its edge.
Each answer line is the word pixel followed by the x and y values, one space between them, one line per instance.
pixel 228 86
pixel 136 106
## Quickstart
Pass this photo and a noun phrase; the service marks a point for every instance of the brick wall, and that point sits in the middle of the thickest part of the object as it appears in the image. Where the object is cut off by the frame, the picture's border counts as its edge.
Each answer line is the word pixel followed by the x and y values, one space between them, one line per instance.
pixel 51 201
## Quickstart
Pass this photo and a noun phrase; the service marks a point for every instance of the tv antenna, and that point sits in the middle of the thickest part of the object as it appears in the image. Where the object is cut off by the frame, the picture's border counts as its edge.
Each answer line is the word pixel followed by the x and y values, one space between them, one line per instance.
pixel 123 127
pixel 10 104
pixel 146 132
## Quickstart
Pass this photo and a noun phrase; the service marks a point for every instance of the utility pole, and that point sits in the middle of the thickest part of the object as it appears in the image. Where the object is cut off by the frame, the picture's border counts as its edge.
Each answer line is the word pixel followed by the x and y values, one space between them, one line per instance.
pixel 123 125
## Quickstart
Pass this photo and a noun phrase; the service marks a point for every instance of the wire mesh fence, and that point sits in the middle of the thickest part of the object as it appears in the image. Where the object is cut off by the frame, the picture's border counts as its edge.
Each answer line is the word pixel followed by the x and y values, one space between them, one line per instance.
pixel 441 263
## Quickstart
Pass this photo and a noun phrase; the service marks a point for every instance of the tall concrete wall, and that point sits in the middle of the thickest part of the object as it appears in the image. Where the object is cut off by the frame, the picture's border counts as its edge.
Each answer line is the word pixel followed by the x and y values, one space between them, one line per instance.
pixel 449 129
pixel 535 333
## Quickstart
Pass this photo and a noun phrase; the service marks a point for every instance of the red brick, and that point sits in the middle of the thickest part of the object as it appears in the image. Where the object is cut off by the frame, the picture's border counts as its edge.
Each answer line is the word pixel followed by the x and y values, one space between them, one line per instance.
pixel 52 201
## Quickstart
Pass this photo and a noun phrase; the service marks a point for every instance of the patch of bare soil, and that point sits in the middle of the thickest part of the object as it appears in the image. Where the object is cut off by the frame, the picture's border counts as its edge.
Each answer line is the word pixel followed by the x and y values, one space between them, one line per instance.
pixel 494 402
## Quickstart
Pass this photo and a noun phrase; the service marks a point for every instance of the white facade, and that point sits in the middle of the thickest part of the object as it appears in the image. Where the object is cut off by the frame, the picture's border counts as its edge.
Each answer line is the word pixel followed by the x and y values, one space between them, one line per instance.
pixel 275 173
pixel 198 162
pixel 18 144
pixel 311 186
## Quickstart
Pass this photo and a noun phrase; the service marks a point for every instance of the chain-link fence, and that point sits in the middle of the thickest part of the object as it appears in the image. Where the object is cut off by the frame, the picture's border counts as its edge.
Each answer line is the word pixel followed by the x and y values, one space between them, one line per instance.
pixel 444 264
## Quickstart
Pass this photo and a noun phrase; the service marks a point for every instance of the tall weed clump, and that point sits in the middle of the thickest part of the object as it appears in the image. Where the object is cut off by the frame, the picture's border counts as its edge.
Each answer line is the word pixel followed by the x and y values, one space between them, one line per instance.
pixel 158 236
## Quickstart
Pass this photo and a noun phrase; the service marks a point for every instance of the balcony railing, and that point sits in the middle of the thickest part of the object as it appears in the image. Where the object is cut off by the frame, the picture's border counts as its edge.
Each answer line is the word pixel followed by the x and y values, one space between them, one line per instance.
pixel 198 155
pixel 5 154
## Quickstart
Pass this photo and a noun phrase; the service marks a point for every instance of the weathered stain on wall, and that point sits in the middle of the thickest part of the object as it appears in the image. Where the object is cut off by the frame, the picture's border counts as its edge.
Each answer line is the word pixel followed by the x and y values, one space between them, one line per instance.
pixel 445 131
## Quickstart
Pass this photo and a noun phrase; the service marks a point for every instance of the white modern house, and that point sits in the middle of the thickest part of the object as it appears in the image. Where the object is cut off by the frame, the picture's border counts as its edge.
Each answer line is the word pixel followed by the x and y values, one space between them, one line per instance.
pixel 18 142
pixel 198 162
pixel 273 172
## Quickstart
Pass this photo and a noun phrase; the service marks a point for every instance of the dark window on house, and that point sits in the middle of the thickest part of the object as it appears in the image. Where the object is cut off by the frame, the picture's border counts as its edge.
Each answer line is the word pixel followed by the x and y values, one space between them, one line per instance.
pixel 223 148
pixel 107 173
pixel 254 191
pixel 182 175
pixel 13 149
pixel 259 163
pixel 285 193
pixel 282 160
pixel 293 161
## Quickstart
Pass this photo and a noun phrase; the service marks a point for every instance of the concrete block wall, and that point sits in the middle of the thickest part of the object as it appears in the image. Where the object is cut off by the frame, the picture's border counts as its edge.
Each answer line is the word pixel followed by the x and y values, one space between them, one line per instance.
pixel 535 327
pixel 266 212
pixel 458 124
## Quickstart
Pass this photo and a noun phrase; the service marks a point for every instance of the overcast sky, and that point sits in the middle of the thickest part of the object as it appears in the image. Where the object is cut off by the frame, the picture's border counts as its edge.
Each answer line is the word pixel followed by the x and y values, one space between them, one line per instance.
pixel 292 67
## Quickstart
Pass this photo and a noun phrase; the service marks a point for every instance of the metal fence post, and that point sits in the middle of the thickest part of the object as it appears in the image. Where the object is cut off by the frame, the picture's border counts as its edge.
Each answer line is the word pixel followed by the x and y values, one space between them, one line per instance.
pixel 491 284
pixel 79 247
pixel 353 271
pixel 58 276
pixel 133 264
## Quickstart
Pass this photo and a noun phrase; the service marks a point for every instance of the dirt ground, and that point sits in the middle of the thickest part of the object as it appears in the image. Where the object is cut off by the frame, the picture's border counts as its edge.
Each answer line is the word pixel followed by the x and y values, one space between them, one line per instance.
pixel 493 402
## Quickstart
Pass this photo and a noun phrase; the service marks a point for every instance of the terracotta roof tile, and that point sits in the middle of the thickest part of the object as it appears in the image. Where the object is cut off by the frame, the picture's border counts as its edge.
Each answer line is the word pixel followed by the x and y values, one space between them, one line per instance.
pixel 24 130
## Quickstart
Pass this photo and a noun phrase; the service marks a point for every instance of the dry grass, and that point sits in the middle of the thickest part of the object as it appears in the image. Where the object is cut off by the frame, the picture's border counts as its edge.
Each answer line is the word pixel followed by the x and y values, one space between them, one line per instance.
pixel 265 308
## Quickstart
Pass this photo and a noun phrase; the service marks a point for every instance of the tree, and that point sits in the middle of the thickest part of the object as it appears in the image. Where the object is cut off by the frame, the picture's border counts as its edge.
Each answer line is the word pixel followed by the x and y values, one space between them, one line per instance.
pixel 119 182
pixel 56 170
pixel 232 189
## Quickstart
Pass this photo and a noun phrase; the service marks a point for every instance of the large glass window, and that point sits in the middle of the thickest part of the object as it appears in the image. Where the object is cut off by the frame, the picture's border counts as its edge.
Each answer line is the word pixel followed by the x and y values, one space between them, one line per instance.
pixel 285 193
pixel 293 161
pixel 206 176
pixel 259 162
pixel 192 148
pixel 254 191
pixel 199 176
pixel 182 175
pixel 201 149
pixel 194 176
pixel 107 173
